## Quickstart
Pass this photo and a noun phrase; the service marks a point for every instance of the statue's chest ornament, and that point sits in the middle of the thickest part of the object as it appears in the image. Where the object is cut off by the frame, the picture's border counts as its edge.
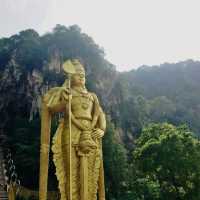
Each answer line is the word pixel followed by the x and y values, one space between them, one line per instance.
pixel 85 102
pixel 85 105
pixel 84 99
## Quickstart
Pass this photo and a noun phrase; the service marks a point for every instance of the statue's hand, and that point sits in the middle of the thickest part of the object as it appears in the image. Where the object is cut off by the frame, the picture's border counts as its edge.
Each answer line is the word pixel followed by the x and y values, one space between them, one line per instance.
pixel 97 133
pixel 64 93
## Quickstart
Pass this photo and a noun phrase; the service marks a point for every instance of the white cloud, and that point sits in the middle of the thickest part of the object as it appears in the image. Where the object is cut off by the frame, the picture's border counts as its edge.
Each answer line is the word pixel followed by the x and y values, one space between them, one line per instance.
pixel 132 32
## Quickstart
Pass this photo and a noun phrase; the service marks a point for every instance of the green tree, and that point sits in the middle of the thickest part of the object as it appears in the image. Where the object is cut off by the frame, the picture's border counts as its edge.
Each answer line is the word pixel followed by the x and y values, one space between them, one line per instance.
pixel 115 164
pixel 169 157
pixel 27 49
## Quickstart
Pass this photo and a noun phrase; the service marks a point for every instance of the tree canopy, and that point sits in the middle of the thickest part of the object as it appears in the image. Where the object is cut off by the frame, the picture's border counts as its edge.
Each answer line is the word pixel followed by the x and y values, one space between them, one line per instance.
pixel 169 157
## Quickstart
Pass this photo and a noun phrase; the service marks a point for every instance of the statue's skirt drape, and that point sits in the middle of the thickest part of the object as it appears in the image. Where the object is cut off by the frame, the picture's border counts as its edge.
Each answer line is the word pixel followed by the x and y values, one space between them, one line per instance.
pixel 60 148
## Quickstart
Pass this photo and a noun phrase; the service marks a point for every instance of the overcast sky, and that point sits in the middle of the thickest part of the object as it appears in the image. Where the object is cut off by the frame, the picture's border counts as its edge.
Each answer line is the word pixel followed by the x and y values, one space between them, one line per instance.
pixel 132 32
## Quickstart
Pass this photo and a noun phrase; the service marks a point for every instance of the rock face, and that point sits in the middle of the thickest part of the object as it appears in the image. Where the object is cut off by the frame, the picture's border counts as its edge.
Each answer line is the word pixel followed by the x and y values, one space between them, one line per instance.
pixel 20 92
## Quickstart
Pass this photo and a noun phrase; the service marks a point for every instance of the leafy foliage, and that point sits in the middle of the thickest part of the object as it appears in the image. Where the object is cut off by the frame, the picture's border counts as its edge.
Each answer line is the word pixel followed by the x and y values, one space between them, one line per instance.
pixel 169 158
pixel 115 163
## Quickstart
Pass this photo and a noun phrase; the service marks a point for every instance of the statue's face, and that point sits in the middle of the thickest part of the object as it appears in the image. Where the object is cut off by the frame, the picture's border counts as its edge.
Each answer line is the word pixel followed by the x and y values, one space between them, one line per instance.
pixel 78 79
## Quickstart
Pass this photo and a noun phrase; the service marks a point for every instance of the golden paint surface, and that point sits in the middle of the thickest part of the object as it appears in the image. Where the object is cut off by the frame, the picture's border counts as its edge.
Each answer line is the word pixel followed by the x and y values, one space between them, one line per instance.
pixel 76 146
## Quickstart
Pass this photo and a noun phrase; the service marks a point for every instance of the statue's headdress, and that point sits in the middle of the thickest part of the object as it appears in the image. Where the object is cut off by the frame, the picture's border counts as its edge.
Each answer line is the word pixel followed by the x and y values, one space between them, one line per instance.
pixel 73 67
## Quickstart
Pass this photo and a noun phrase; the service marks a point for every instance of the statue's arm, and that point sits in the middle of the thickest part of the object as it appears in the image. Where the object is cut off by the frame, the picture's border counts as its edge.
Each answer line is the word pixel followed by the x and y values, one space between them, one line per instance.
pixel 102 120
pixel 99 120
pixel 55 99
pixel 96 111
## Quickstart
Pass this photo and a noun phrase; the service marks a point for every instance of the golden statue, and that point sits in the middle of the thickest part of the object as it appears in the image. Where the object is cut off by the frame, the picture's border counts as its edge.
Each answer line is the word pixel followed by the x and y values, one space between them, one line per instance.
pixel 76 146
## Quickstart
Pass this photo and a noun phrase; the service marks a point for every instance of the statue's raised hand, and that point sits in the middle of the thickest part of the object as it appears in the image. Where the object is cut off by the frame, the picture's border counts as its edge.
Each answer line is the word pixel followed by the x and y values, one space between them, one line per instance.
pixel 65 93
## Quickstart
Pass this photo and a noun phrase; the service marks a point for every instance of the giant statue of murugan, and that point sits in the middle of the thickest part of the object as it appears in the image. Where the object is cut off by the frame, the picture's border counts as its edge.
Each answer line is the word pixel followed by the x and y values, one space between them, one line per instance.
pixel 76 145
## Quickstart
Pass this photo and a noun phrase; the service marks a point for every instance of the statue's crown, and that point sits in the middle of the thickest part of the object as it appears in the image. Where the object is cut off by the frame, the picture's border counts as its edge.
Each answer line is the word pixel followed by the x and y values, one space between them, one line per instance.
pixel 73 67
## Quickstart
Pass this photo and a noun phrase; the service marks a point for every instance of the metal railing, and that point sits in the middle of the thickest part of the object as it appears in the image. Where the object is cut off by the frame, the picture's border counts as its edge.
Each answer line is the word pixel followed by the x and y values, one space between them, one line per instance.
pixel 10 182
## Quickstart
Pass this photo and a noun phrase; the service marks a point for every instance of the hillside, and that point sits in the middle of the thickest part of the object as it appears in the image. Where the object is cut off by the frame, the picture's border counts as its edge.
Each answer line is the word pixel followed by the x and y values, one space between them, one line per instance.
pixel 169 92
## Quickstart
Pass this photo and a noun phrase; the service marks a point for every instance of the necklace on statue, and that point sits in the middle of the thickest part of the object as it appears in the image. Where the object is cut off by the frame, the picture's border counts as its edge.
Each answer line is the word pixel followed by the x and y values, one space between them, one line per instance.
pixel 82 91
